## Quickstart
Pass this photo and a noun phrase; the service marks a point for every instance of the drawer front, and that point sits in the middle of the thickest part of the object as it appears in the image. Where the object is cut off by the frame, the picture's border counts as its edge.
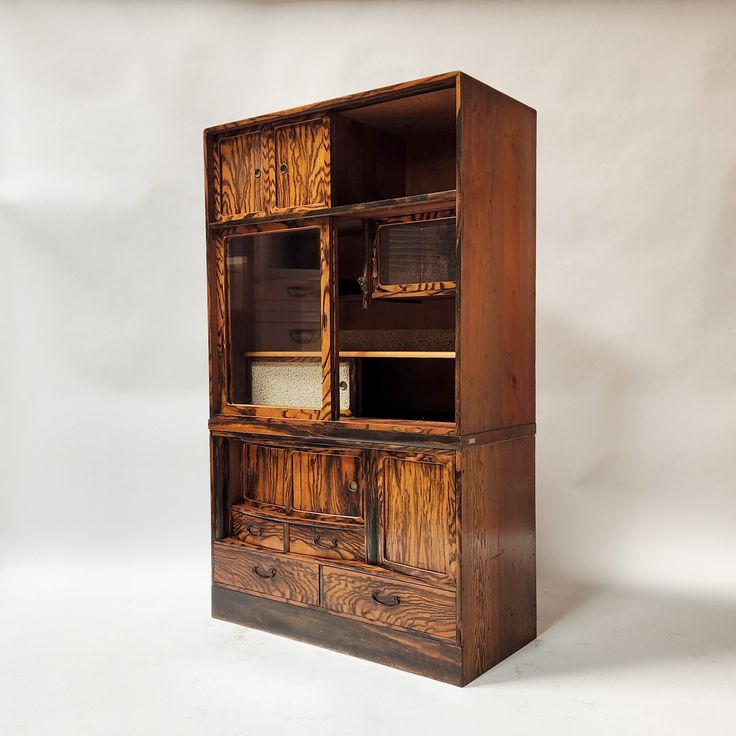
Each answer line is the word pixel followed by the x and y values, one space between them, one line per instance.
pixel 418 608
pixel 259 532
pixel 258 572
pixel 331 544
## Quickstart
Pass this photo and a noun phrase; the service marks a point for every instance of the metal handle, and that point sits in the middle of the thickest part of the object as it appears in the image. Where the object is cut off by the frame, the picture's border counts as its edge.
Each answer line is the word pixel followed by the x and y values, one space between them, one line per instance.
pixel 298 292
pixel 343 385
pixel 353 486
pixel 257 173
pixel 254 531
pixel 391 601
pixel 332 544
pixel 269 574
pixel 283 168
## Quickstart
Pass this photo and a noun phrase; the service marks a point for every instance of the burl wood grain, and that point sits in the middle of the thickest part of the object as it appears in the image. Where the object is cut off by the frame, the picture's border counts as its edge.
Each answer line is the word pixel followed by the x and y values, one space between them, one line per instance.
pixel 327 543
pixel 272 575
pixel 498 568
pixel 496 232
pixel 321 483
pixel 266 475
pixel 302 164
pixel 417 498
pixel 428 610
pixel 257 531
pixel 239 176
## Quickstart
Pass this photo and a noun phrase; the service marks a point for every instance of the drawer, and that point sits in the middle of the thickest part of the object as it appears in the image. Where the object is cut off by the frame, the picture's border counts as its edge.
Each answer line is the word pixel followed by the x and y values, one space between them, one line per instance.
pixel 259 572
pixel 259 532
pixel 332 544
pixel 382 599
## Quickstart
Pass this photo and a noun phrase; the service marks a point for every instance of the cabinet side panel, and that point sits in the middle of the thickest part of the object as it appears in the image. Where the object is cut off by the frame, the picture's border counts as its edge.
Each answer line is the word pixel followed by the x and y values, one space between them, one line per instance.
pixel 496 232
pixel 497 566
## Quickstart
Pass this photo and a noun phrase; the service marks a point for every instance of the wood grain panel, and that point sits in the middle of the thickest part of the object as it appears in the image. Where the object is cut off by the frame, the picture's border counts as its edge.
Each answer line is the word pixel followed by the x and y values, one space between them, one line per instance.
pixel 496 233
pixel 418 525
pixel 257 531
pixel 272 575
pixel 321 483
pixel 302 164
pixel 240 176
pixel 326 543
pixel 436 658
pixel 266 475
pixel 498 570
pixel 428 610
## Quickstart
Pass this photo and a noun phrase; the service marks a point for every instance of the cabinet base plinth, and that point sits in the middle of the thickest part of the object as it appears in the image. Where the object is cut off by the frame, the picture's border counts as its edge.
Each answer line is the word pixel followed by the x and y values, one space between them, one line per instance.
pixel 420 655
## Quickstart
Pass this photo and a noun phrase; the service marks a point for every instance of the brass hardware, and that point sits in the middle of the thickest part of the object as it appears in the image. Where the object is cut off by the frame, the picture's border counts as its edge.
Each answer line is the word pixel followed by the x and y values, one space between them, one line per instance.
pixel 283 168
pixel 269 574
pixel 257 173
pixel 391 601
pixel 353 486
pixel 343 385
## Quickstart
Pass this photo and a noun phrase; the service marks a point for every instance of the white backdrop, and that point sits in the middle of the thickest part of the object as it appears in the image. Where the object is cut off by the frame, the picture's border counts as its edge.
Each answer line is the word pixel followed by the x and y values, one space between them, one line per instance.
pixel 104 499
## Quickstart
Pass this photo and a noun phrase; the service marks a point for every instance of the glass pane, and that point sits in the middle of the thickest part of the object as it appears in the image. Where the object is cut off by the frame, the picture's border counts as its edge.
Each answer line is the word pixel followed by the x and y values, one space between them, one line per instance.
pixel 274 316
pixel 417 252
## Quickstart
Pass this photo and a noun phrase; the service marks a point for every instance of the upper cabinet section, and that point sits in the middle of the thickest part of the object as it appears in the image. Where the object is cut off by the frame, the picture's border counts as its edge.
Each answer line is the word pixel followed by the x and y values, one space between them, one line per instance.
pixel 345 155
pixel 271 169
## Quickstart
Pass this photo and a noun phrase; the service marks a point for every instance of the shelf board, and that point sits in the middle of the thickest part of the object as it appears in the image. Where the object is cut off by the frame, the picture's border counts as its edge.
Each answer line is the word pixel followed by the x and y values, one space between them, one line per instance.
pixel 396 206
pixel 450 354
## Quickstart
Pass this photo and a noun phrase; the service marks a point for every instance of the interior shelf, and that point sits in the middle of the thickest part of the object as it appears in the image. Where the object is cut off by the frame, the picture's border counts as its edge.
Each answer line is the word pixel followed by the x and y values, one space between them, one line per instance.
pixel 449 354
pixel 395 206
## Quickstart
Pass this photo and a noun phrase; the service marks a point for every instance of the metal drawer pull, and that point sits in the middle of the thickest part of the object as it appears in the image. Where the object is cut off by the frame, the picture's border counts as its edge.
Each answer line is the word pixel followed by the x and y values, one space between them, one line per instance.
pixel 269 574
pixel 298 292
pixel 257 173
pixel 283 168
pixel 254 531
pixel 332 544
pixel 391 601
pixel 353 486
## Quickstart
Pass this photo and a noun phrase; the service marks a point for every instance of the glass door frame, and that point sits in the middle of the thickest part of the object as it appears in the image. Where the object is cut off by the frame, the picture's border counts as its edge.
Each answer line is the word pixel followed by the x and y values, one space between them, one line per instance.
pixel 220 344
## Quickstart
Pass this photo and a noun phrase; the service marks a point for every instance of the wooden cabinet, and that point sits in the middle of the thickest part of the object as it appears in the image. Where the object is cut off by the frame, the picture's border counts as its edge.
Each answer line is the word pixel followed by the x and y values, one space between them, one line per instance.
pixel 370 270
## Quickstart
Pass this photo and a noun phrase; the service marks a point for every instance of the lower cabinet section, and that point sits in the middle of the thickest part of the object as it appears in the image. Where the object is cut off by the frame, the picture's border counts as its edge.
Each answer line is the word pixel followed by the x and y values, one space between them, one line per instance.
pixel 275 575
pixel 381 599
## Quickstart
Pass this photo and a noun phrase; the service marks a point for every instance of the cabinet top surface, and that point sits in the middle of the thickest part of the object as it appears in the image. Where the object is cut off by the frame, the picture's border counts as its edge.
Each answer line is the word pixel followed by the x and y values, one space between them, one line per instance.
pixel 438 81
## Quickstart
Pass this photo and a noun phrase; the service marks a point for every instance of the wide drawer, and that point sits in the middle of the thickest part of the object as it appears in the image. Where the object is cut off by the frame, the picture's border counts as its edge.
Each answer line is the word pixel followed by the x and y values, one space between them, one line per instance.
pixel 415 607
pixel 259 572
pixel 256 531
pixel 331 544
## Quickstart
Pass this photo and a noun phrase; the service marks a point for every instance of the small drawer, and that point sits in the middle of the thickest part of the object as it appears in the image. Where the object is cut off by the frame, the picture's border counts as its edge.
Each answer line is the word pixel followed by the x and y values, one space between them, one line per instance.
pixel 381 599
pixel 259 572
pixel 256 531
pixel 332 544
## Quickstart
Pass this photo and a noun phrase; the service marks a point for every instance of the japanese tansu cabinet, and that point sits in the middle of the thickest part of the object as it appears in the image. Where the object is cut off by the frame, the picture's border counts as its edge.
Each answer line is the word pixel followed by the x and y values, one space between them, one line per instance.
pixel 370 266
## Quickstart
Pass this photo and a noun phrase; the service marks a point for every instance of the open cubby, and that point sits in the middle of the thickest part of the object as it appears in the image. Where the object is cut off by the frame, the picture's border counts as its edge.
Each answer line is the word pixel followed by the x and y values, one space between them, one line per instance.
pixel 402 350
pixel 398 148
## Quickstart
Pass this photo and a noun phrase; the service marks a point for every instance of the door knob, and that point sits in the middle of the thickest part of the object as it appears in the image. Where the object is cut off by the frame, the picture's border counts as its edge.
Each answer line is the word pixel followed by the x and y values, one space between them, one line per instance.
pixel 353 486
